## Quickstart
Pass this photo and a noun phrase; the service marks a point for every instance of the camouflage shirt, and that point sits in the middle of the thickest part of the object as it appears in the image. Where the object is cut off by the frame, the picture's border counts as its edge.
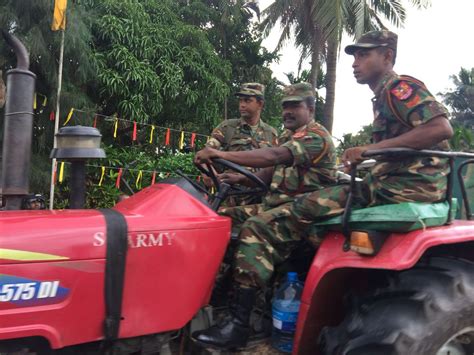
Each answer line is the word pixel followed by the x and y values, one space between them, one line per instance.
pixel 243 137
pixel 314 164
pixel 400 104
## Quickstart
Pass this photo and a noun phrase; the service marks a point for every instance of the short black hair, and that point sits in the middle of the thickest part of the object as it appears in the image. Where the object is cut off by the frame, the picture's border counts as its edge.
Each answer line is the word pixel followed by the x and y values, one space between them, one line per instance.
pixel 383 50
pixel 310 101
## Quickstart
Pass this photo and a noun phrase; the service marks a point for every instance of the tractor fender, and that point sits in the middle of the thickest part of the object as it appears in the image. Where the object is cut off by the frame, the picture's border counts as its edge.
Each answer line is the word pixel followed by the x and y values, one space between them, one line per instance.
pixel 333 271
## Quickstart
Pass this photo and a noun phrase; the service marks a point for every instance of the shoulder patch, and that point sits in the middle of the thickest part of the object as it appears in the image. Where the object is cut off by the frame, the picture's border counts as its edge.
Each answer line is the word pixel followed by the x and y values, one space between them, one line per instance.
pixel 298 135
pixel 402 91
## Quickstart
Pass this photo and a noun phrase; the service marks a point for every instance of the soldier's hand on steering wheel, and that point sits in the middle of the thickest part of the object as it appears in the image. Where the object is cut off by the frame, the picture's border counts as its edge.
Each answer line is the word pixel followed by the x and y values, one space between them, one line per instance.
pixel 231 178
pixel 206 155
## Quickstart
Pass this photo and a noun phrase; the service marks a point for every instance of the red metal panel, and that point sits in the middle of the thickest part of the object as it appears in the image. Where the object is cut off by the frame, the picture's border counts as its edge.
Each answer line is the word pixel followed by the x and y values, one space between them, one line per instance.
pixel 176 244
pixel 400 251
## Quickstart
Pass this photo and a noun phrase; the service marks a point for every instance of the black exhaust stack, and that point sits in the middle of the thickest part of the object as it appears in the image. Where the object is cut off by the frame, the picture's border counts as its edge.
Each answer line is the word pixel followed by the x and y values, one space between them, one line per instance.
pixel 18 127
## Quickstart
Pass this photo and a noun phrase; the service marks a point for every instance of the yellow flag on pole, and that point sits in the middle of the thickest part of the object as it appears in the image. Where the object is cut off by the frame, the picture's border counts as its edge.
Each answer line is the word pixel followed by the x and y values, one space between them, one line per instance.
pixel 59 16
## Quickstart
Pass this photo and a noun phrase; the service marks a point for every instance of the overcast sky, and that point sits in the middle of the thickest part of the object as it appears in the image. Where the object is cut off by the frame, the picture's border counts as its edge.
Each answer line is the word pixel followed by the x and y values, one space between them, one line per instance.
pixel 434 44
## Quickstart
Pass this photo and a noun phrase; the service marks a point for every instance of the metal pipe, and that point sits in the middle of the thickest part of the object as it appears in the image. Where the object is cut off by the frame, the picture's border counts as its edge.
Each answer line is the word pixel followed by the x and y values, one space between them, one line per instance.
pixel 18 127
pixel 78 184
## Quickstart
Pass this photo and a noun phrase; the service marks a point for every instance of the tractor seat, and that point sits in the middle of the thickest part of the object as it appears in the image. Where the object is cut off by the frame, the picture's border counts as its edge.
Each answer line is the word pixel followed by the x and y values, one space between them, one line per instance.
pixel 398 218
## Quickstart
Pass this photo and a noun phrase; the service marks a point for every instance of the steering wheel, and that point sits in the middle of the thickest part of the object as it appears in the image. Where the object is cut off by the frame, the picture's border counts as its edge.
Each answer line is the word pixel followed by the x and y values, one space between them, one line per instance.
pixel 261 187
pixel 192 182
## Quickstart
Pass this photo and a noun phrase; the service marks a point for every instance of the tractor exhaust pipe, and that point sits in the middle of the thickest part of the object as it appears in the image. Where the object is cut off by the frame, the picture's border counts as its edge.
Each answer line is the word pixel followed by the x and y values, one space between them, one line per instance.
pixel 18 127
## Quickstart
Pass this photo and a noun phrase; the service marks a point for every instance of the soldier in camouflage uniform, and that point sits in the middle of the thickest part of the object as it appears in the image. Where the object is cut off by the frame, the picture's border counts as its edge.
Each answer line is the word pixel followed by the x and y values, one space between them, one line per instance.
pixel 406 115
pixel 304 161
pixel 245 133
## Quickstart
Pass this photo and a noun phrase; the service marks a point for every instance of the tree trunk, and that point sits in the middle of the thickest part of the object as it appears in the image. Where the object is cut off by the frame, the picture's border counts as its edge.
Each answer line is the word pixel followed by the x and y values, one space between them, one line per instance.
pixel 331 64
pixel 315 54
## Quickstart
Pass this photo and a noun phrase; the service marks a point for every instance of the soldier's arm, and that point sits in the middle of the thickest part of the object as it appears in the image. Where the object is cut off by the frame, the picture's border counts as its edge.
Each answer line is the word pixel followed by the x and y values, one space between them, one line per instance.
pixel 423 136
pixel 258 158
pixel 217 137
pixel 417 106
pixel 419 109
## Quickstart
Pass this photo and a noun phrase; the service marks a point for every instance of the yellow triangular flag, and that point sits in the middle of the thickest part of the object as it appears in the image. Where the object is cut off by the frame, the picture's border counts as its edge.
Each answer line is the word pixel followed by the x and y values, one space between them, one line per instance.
pixel 139 179
pixel 102 175
pixel 115 127
pixel 61 172
pixel 59 16
pixel 151 133
pixel 69 116
pixel 181 141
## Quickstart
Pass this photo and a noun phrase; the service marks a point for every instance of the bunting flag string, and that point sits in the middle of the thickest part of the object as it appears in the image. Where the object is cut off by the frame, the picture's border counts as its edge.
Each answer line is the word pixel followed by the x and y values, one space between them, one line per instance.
pixel 135 124
pixel 120 173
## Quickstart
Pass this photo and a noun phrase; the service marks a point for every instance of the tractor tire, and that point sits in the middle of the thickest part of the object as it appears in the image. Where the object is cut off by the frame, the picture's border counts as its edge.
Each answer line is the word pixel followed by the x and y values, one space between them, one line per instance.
pixel 427 310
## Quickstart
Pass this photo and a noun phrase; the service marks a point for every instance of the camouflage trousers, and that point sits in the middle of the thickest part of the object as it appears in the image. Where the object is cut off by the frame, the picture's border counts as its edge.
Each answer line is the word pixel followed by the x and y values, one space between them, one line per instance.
pixel 372 191
pixel 267 236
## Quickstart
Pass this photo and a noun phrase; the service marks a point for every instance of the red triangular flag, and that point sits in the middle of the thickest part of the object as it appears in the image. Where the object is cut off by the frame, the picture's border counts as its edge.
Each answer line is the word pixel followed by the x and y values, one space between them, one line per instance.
pixel 119 176
pixel 167 139
pixel 153 177
pixel 95 122
pixel 134 136
pixel 193 138
pixel 51 116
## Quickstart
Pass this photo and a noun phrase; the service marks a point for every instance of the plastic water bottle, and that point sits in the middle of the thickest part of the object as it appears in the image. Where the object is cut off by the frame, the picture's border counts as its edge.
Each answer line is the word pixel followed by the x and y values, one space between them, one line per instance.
pixel 285 307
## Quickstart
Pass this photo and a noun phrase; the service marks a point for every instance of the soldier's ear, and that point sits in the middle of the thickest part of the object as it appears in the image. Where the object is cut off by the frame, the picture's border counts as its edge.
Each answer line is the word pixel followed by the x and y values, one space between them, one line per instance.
pixel 389 56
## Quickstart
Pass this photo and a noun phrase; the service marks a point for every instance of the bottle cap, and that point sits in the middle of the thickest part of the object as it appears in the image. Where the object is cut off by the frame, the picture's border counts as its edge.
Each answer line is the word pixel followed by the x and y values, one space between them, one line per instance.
pixel 292 276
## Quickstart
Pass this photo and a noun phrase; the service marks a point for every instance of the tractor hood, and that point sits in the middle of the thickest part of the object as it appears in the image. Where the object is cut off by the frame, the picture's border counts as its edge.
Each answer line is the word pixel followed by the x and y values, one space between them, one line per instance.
pixel 156 217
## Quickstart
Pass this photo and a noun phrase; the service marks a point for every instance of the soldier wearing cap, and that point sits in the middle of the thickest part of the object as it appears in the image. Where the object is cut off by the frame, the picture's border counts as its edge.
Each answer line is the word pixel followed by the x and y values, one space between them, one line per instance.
pixel 406 115
pixel 245 133
pixel 304 161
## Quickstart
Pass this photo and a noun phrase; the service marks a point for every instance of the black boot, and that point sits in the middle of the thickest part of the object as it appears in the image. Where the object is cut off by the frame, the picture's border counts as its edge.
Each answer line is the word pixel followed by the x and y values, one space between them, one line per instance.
pixel 234 330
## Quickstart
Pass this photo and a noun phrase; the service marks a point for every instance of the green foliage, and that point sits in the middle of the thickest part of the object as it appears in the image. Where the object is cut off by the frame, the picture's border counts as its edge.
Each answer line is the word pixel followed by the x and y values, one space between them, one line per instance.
pixel 229 27
pixel 155 68
pixel 169 63
pixel 461 99
pixel 349 140
pixel 132 160
pixel 462 139
pixel 30 21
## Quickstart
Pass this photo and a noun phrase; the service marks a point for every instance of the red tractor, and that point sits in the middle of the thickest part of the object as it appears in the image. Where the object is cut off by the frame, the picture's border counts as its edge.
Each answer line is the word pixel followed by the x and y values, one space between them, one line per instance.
pixel 130 279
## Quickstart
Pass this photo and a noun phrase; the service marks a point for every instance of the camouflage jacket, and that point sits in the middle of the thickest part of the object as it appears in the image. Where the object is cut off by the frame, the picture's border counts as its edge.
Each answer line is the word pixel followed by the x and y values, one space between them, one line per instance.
pixel 236 135
pixel 314 164
pixel 400 104
pixel 243 137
